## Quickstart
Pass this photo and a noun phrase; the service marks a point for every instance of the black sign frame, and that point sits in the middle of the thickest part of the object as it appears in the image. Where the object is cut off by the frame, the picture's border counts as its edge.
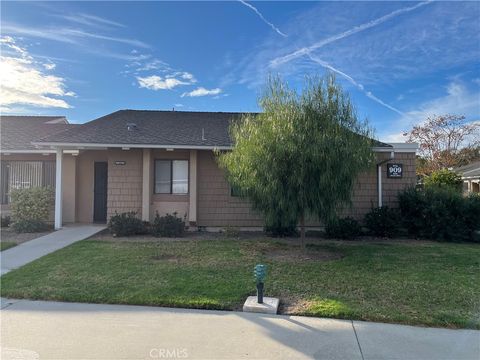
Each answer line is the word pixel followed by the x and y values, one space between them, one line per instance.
pixel 394 170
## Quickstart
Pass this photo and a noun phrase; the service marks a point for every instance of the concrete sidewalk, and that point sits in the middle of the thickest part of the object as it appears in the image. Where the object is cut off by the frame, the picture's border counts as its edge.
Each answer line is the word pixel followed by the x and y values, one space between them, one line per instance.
pixel 53 330
pixel 28 251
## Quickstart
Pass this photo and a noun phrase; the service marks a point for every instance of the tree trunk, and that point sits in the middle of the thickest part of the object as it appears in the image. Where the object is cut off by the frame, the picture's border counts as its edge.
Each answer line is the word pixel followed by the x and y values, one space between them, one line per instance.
pixel 302 230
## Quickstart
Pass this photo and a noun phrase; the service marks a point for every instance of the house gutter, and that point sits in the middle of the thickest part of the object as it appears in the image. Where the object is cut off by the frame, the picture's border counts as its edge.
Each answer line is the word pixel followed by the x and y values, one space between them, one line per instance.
pixel 379 177
pixel 128 146
pixel 80 146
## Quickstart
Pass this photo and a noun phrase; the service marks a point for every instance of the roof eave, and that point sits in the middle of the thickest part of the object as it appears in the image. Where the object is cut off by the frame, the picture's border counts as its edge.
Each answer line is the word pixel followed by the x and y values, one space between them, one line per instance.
pixel 27 151
pixel 133 146
pixel 397 147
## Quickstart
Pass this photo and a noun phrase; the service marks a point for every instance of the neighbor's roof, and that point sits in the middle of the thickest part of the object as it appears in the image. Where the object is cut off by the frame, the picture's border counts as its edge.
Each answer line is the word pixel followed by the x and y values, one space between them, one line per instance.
pixel 17 132
pixel 471 170
pixel 180 129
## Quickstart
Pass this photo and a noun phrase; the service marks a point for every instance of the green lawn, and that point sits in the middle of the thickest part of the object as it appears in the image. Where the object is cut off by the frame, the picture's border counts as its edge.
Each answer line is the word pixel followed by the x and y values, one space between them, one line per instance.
pixel 416 283
pixel 4 245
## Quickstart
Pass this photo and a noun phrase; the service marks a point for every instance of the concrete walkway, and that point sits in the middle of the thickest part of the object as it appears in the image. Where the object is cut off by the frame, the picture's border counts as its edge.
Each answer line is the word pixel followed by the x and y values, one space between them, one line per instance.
pixel 54 330
pixel 28 251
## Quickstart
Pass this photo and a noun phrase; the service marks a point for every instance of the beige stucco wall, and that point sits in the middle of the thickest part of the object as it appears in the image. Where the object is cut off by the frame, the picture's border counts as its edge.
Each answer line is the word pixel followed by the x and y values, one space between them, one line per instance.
pixel 85 168
pixel 69 178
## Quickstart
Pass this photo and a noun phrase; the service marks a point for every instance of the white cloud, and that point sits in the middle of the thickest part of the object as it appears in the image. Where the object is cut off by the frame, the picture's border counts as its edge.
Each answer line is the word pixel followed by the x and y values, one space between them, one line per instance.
pixel 201 91
pixel 277 30
pixel 49 66
pixel 23 82
pixel 9 42
pixel 156 82
pixel 167 82
pixel 187 76
pixel 458 100
pixel 394 138
pixel 66 35
pixel 154 64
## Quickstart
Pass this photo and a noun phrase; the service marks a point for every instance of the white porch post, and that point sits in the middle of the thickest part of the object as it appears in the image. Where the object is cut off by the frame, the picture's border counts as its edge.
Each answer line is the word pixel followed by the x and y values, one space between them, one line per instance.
pixel 146 184
pixel 379 174
pixel 192 207
pixel 58 189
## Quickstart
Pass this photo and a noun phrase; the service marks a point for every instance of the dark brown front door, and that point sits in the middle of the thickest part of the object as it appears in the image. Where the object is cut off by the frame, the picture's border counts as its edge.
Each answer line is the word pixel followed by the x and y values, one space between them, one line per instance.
pixel 100 192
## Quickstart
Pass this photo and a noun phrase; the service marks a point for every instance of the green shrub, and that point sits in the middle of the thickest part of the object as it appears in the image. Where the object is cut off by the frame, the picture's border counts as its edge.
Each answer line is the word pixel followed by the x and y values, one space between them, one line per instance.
pixel 126 224
pixel 168 226
pixel 445 179
pixel 30 226
pixel 382 221
pixel 346 228
pixel 5 221
pixel 412 203
pixel 441 214
pixel 30 208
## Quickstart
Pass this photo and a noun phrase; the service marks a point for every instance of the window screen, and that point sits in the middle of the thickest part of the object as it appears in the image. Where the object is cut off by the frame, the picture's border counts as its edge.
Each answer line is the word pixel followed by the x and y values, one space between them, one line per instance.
pixel 25 174
pixel 163 176
pixel 180 177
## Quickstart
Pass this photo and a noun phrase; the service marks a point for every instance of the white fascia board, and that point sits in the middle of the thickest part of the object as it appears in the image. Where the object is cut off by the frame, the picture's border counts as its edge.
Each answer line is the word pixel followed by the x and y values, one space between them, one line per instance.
pixel 470 177
pixel 37 151
pixel 404 147
pixel 398 147
pixel 382 149
pixel 136 146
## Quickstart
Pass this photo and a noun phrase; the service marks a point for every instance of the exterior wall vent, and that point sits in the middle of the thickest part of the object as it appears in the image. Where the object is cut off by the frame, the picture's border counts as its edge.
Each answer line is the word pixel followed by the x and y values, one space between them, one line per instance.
pixel 131 126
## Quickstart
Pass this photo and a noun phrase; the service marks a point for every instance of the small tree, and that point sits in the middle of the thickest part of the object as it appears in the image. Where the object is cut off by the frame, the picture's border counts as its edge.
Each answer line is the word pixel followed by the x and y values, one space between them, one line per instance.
pixel 301 155
pixel 444 178
pixel 441 139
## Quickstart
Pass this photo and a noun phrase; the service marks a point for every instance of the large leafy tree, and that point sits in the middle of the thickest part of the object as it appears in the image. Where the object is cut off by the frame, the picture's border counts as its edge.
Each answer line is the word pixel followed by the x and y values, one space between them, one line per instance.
pixel 302 154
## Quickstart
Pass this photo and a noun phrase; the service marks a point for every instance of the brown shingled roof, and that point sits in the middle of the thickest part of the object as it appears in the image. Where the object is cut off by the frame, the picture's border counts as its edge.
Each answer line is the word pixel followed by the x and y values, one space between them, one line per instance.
pixel 17 132
pixel 154 128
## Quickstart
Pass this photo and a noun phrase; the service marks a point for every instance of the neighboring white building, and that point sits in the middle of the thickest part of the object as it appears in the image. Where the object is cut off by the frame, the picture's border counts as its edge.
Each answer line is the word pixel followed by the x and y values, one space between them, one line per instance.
pixel 471 177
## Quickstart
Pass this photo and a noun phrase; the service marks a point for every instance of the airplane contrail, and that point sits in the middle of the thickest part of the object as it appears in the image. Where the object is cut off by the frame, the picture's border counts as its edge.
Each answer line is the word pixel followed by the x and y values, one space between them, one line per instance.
pixel 307 50
pixel 355 83
pixel 263 18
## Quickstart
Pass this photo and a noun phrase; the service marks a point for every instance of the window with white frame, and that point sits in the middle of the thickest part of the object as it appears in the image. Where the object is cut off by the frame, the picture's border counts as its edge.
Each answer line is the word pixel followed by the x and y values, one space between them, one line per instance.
pixel 25 174
pixel 171 177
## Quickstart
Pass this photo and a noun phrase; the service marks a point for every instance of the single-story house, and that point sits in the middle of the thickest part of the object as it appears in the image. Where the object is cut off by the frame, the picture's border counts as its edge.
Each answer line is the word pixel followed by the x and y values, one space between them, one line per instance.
pixel 471 177
pixel 158 161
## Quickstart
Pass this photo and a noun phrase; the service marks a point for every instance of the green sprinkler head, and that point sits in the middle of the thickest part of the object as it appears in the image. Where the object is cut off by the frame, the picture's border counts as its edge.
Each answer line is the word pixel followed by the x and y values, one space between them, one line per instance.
pixel 260 273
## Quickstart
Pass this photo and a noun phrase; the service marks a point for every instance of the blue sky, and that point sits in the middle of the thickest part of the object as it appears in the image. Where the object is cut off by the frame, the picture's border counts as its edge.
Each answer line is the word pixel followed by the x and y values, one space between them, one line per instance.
pixel 400 61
